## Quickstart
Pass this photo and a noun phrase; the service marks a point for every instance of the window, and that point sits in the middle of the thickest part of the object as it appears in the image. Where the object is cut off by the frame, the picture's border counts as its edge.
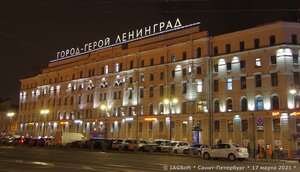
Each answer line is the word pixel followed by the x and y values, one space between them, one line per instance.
pixel 150 127
pixel 298 125
pixel 151 61
pixel 172 89
pixel 276 124
pixel 294 39
pixel 199 86
pixel 173 58
pixel 141 92
pixel 184 55
pixel 228 48
pixel 142 63
pixel 216 126
pixel 184 88
pixel 130 80
pixel 150 109
pixel 243 82
pixel 275 103
pixel 198 52
pixel 216 68
pixel 117 67
pixel 244 106
pixel 162 59
pixel 257 62
pixel 106 69
pixel 150 91
pixel 296 78
pixel 131 64
pixel 274 79
pixel 272 40
pixel 161 75
pixel 230 125
pixel 216 85
pixel 216 106
pixel 242 46
pixel 228 66
pixel 183 71
pixel 242 64
pixel 184 127
pixel 295 59
pixel 229 105
pixel 161 127
pixel 257 80
pixel 256 43
pixel 229 84
pixel 273 60
pixel 173 73
pixel 216 51
pixel 161 90
pixel 198 69
pixel 142 78
pixel 259 103
pixel 244 125
pixel 183 108
pixel 151 77
pixel 140 127
pixel 161 108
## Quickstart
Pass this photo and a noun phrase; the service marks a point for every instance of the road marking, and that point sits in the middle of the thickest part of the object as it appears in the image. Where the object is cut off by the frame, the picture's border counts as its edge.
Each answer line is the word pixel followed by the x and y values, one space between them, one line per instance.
pixel 114 165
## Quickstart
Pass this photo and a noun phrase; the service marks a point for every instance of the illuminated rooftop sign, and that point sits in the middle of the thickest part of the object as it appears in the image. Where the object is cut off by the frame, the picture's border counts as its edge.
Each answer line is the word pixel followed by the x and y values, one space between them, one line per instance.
pixel 152 30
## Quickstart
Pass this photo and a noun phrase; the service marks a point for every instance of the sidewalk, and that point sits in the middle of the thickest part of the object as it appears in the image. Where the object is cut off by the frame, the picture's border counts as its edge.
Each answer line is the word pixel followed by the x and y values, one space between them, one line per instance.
pixel 293 160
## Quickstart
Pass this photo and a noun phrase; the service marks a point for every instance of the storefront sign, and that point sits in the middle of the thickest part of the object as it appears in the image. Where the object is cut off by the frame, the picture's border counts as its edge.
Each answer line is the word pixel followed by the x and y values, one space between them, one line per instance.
pixel 157 28
pixel 260 124
pixel 150 119
pixel 295 114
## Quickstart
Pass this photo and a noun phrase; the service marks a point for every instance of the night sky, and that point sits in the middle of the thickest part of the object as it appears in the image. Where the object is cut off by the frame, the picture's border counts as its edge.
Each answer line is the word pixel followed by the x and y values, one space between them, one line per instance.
pixel 32 32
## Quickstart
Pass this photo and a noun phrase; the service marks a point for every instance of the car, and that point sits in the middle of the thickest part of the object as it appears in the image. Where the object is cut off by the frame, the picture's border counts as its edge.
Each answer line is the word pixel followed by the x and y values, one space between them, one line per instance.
pixel 162 143
pixel 18 141
pixel 195 148
pixel 226 150
pixel 154 146
pixel 174 146
pixel 120 144
pixel 137 145
pixel 180 147
pixel 75 144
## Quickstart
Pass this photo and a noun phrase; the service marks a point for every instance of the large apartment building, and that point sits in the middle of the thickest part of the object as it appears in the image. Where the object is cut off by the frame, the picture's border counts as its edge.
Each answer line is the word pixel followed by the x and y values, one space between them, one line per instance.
pixel 242 87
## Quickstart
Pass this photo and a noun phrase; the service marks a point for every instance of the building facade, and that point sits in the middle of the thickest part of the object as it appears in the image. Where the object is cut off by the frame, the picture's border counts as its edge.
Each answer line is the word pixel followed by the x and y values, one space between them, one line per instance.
pixel 181 85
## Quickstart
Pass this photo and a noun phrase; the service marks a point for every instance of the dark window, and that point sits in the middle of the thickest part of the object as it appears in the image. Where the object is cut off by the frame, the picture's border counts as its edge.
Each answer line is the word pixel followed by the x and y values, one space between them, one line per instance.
pixel 183 55
pixel 216 67
pixel 184 71
pixel 216 126
pixel 296 78
pixel 244 125
pixel 198 69
pixel 161 75
pixel 183 108
pixel 131 64
pixel 257 80
pixel 242 64
pixel 216 51
pixel 229 105
pixel 256 43
pixel 141 92
pixel 151 77
pixel 242 46
pixel 130 80
pixel 152 62
pixel 184 88
pixel 243 82
pixel 294 39
pixel 150 91
pixel 276 124
pixel 172 89
pixel 228 48
pixel 140 127
pixel 162 60
pixel 228 66
pixel 150 109
pixel 161 90
pixel 295 59
pixel 216 85
pixel 274 79
pixel 120 67
pixel 273 60
pixel 275 103
pixel 244 103
pixel 216 106
pixel 272 40
pixel 142 63
pixel 198 52
pixel 173 73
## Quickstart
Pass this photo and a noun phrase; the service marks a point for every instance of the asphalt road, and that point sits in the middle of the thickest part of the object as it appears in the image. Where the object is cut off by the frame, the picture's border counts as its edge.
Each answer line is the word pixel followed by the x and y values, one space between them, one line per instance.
pixel 44 159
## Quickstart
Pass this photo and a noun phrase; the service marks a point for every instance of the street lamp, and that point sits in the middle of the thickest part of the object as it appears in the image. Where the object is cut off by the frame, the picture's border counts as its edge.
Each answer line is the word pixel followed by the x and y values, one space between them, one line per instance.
pixel 44 112
pixel 168 102
pixel 10 115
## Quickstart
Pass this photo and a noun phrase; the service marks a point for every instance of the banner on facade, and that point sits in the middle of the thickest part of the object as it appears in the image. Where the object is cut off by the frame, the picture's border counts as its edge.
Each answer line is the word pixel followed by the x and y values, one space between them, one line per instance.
pixel 260 124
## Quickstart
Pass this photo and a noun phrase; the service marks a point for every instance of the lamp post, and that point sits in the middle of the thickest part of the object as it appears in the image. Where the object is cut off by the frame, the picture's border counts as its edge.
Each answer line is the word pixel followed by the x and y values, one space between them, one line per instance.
pixel 44 112
pixel 168 102
pixel 10 115
pixel 254 139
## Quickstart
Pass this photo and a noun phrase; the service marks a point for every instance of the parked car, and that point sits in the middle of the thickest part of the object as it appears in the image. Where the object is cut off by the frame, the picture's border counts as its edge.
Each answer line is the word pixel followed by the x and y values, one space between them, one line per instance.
pixel 136 145
pixel 120 144
pixel 162 143
pixel 154 146
pixel 18 141
pixel 175 146
pixel 224 150
pixel 74 144
pixel 180 147
pixel 195 148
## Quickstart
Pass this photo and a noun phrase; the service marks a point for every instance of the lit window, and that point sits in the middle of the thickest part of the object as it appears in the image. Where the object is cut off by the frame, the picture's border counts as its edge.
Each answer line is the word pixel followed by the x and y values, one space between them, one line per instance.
pixel 257 62
pixel 229 84
pixel 199 86
pixel 117 67
pixel 106 69
pixel 259 103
